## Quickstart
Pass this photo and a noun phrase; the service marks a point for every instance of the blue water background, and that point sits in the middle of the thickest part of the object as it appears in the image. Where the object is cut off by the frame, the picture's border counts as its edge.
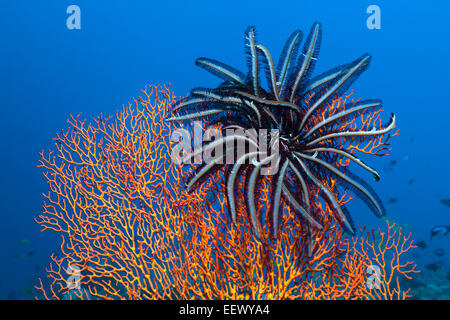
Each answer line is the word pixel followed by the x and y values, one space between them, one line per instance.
pixel 48 72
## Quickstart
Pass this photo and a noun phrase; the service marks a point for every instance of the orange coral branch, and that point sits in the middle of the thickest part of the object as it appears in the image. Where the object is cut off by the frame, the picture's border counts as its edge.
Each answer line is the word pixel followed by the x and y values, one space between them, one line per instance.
pixel 130 231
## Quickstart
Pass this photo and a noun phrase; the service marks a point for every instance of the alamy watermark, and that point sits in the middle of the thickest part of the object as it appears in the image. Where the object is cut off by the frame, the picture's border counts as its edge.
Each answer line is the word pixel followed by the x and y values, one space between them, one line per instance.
pixel 74 19
pixel 374 19
pixel 373 280
pixel 260 147
pixel 73 282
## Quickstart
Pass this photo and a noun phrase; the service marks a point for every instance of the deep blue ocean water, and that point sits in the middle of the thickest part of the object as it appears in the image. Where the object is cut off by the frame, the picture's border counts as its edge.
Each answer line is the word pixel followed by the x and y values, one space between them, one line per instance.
pixel 48 72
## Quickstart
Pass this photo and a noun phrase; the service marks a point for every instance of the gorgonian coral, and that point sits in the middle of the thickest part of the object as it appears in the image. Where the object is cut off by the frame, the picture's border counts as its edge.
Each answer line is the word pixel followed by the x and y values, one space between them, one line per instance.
pixel 129 230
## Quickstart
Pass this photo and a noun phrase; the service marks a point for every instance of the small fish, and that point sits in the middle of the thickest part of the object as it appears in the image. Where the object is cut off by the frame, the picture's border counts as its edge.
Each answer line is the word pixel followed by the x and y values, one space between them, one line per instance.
pixel 439 252
pixel 31 253
pixel 421 244
pixel 24 241
pixel 439 231
pixel 407 158
pixel 445 202
pixel 393 163
pixel 392 200
pixel 411 181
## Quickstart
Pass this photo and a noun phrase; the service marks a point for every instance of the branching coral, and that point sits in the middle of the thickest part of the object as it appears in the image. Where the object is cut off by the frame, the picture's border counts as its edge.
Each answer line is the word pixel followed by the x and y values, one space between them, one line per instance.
pixel 130 231
pixel 370 268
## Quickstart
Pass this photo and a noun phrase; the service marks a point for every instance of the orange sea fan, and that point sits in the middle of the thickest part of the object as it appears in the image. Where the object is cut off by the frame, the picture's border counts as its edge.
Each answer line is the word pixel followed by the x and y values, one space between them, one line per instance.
pixel 130 231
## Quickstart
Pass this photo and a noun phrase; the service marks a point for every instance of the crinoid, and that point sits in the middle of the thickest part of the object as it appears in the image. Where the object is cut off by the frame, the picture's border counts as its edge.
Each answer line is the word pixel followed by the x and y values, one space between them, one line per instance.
pixel 304 139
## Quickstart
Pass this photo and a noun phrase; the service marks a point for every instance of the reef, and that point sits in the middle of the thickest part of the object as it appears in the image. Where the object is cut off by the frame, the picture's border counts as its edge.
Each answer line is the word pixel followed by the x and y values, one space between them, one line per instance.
pixel 130 230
